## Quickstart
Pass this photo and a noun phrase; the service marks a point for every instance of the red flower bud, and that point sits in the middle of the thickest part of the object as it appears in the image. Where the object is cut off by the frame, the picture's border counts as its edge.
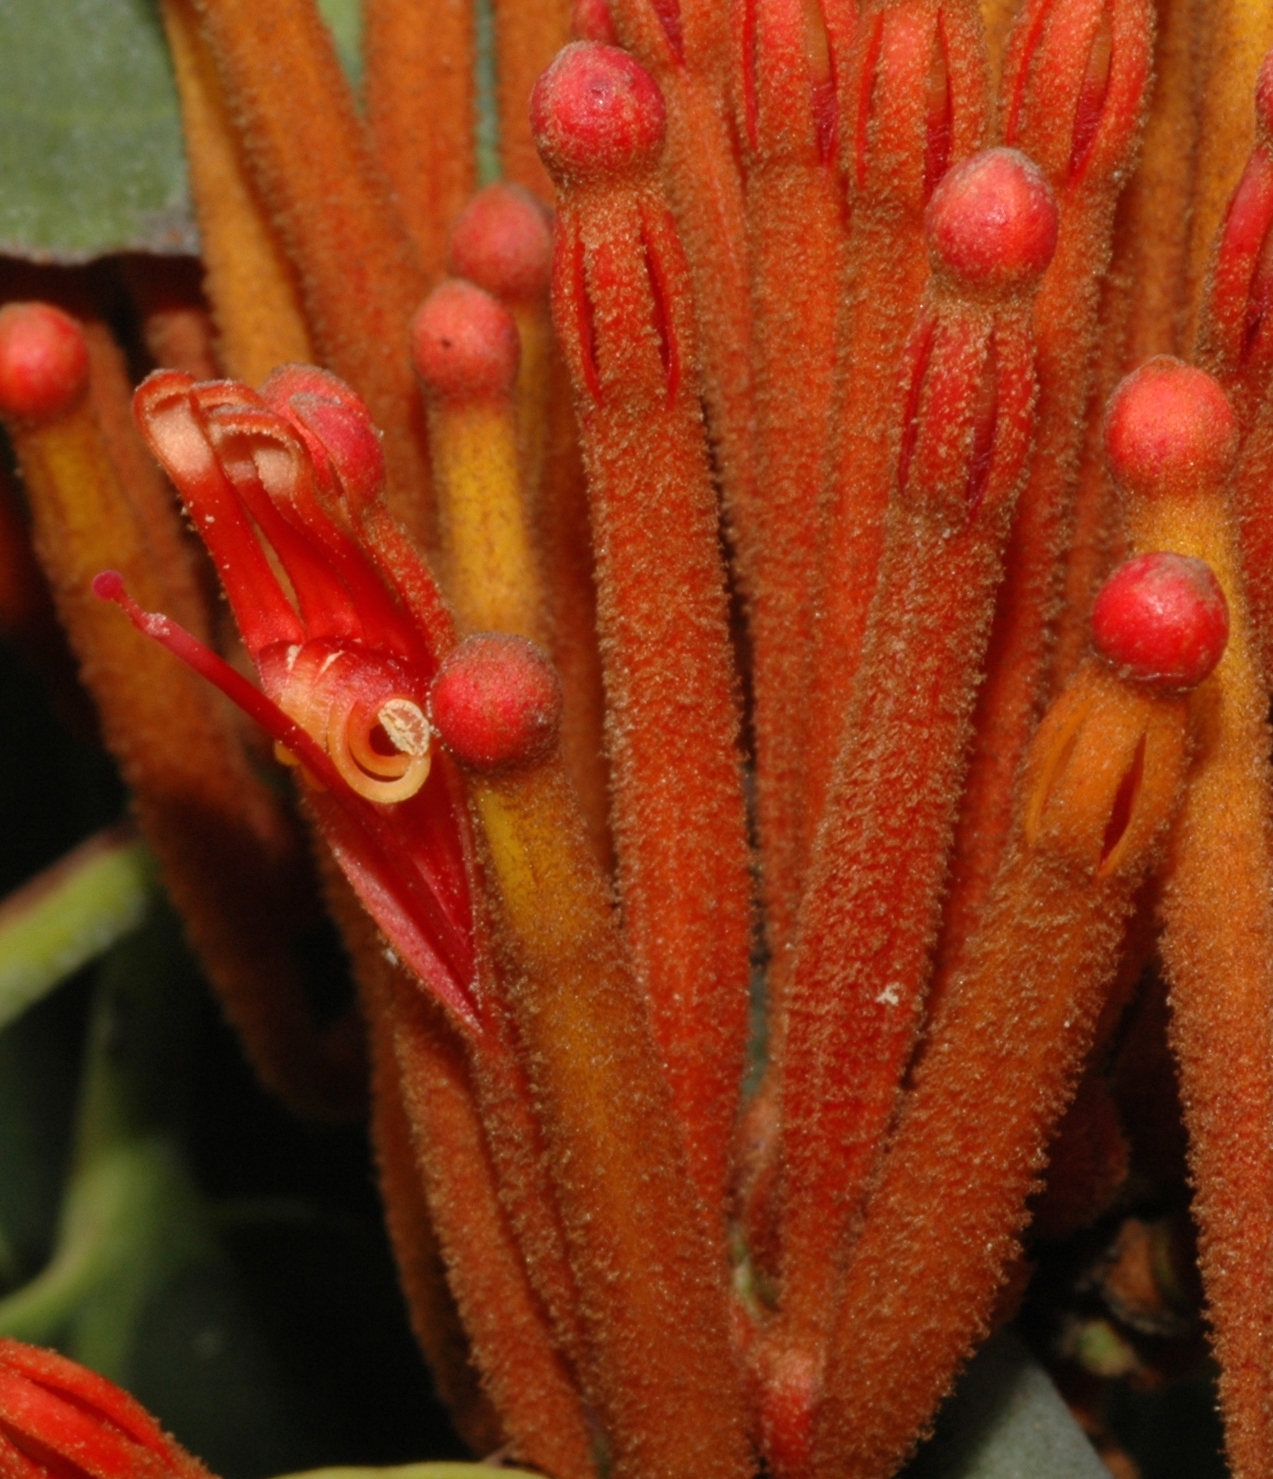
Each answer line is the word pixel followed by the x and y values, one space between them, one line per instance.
pixel 464 344
pixel 1162 618
pixel 1170 431
pixel 597 111
pixel 496 702
pixel 61 1421
pixel 504 243
pixel 992 221
pixel 43 361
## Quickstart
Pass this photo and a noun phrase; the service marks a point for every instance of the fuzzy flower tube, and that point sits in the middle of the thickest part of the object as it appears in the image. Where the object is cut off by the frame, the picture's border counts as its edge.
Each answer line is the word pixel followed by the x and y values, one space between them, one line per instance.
pixel 359 278
pixel 622 304
pixel 912 102
pixel 466 349
pixel 869 914
pixel 259 318
pixel 658 1363
pixel 1172 437
pixel 788 122
pixel 684 44
pixel 236 873
pixel 420 85
pixel 1235 343
pixel 1088 62
pixel 503 243
pixel 1102 781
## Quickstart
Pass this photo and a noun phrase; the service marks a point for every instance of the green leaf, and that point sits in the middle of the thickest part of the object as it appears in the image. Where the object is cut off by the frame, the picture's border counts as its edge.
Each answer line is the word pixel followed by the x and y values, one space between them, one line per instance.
pixel 70 914
pixel 344 20
pixel 91 154
pixel 91 159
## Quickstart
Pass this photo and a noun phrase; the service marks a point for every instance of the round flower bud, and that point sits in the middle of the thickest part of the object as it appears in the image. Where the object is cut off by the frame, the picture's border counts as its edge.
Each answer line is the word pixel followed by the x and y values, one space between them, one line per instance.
pixel 596 112
pixel 464 344
pixel 503 242
pixel 1170 430
pixel 43 362
pixel 496 703
pixel 992 220
pixel 1163 619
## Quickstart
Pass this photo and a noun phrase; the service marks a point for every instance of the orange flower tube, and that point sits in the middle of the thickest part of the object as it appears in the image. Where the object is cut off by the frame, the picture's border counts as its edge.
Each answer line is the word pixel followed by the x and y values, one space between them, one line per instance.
pixel 658 1365
pixel 421 109
pixel 796 226
pixel 913 101
pixel 684 45
pixel 1102 780
pixel 870 911
pixel 465 348
pixel 621 301
pixel 1172 438
pixel 230 854
pixel 1084 63
pixel 312 164
pixel 503 243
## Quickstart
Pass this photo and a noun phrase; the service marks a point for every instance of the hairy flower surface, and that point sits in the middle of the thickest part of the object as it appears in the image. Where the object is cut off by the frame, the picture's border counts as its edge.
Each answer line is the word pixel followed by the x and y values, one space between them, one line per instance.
pixel 344 645
pixel 845 583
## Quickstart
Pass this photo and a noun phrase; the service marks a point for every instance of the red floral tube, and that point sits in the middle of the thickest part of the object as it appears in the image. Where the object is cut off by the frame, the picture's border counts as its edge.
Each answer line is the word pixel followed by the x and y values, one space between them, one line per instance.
pixel 623 308
pixel 870 911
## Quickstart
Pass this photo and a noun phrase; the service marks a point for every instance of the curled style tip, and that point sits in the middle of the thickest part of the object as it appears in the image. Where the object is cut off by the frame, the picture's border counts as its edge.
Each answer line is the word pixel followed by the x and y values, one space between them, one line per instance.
pixel 595 112
pixel 504 243
pixel 496 703
pixel 1161 619
pixel 1170 431
pixel 992 221
pixel 464 344
pixel 43 362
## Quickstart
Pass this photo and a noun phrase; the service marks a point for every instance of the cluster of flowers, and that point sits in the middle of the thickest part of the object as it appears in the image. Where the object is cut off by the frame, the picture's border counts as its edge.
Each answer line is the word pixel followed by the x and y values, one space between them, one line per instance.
pixel 802 396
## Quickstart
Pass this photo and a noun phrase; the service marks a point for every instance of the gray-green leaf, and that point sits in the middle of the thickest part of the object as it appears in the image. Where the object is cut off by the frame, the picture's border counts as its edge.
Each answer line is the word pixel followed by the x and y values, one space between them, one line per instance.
pixel 1006 1421
pixel 91 159
pixel 91 156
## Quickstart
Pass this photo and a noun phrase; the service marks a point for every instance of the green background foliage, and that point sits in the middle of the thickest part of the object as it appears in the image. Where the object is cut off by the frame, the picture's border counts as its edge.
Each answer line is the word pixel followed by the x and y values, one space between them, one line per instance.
pixel 90 134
